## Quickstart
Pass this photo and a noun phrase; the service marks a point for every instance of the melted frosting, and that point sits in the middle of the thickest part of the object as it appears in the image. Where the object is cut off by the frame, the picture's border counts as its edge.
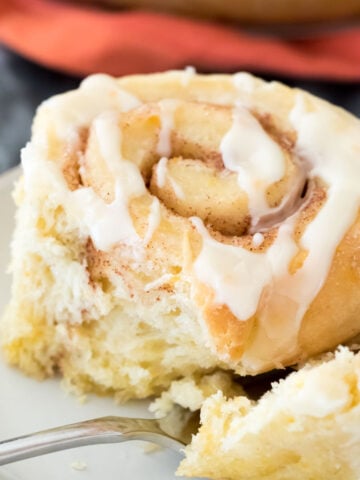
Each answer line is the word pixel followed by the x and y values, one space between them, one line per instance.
pixel 167 109
pixel 161 171
pixel 248 150
pixel 97 102
pixel 244 82
pixel 112 223
pixel 179 192
pixel 97 94
pixel 187 74
pixel 153 220
pixel 128 179
pixel 257 239
pixel 238 276
pixel 107 224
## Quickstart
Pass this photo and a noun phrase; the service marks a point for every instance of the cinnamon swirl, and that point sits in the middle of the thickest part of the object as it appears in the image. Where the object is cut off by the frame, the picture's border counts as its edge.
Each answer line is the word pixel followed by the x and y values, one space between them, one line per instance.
pixel 174 224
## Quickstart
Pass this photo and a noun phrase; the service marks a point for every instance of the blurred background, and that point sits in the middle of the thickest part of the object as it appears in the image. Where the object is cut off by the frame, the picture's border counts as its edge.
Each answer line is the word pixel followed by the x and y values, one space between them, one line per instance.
pixel 48 46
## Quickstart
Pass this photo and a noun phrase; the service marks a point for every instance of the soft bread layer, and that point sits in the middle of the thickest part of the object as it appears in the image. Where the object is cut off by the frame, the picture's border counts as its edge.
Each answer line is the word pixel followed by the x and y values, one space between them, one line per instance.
pixel 191 392
pixel 306 428
pixel 101 338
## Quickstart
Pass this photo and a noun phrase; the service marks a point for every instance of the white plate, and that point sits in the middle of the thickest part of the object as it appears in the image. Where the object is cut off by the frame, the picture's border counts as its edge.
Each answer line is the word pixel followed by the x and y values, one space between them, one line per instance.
pixel 27 405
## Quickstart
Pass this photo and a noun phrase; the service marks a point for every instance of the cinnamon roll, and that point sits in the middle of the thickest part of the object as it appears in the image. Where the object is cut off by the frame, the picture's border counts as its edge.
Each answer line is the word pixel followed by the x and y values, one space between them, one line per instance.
pixel 175 224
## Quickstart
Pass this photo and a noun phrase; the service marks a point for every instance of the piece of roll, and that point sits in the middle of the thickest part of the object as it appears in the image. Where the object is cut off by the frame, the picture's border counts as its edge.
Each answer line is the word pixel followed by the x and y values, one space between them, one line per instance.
pixel 175 224
pixel 249 11
pixel 306 428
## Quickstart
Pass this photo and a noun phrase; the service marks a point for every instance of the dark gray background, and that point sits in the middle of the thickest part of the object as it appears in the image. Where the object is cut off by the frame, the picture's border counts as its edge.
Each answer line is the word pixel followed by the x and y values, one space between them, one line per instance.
pixel 23 85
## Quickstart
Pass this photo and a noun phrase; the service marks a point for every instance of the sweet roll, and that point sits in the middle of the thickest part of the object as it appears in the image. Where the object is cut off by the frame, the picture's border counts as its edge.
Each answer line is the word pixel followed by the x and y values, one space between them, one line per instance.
pixel 175 224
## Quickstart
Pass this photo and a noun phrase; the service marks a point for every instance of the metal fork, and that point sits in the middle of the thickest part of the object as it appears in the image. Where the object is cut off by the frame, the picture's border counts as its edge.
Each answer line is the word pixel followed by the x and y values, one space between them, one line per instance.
pixel 173 431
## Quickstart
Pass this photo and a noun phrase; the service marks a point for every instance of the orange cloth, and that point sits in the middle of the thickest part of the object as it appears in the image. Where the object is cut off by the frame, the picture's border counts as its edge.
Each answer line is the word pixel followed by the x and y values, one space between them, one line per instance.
pixel 82 40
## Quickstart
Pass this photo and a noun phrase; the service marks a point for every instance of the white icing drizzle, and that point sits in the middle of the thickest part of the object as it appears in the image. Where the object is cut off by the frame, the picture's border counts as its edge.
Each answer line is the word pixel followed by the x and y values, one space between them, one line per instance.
pixel 97 93
pixel 167 109
pixel 107 224
pixel 128 177
pixel 161 172
pixel 107 131
pixel 335 159
pixel 248 150
pixel 83 205
pixel 101 84
pixel 153 220
pixel 239 277
pixel 244 82
pixel 179 192
pixel 96 102
pixel 257 239
pixel 187 74
pixel 113 222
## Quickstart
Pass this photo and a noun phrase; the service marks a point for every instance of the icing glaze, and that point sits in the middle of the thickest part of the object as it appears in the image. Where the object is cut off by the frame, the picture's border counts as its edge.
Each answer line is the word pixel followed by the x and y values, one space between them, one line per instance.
pixel 97 94
pixel 257 239
pixel 162 174
pixel 179 192
pixel 248 150
pixel 161 171
pixel 244 82
pixel 167 109
pixel 153 220
pixel 239 277
pixel 106 224
pixel 186 75
pixel 126 174
pixel 65 114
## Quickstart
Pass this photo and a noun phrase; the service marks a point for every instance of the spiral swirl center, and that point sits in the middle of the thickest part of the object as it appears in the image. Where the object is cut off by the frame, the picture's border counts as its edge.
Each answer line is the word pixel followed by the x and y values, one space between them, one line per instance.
pixel 228 170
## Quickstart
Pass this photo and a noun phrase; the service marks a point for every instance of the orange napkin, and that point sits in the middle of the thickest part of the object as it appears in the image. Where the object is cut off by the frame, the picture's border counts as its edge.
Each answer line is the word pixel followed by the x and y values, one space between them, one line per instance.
pixel 82 40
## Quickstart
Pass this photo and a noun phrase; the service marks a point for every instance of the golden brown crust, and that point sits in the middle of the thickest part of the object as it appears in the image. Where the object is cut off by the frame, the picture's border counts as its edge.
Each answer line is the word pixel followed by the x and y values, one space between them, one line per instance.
pixel 229 335
pixel 333 317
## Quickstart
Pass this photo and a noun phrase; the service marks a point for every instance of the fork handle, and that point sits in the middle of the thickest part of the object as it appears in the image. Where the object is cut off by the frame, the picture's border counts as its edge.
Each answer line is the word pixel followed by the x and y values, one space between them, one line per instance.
pixel 89 432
